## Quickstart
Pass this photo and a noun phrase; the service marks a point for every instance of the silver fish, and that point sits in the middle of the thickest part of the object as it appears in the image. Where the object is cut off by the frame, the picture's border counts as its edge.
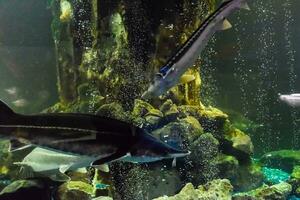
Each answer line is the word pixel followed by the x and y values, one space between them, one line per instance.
pixel 170 74
pixel 53 164
pixel 291 99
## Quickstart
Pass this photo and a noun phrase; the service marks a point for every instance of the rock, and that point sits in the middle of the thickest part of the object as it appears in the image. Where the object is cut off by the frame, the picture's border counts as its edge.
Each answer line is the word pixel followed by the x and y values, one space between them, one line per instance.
pixel 199 166
pixel 240 141
pixel 216 189
pixel 150 122
pixel 170 111
pixel 153 119
pixel 113 110
pixel 275 192
pixel 145 114
pixel 249 177
pixel 211 119
pixel 242 177
pixel 174 133
pixel 164 181
pixel 283 159
pixel 227 165
pixel 296 172
pixel 75 190
pixel 141 108
pixel 193 122
pixel 295 180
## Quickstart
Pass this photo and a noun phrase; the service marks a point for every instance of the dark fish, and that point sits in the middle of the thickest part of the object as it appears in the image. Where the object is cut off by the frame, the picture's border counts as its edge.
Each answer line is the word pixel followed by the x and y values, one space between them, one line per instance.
pixel 103 139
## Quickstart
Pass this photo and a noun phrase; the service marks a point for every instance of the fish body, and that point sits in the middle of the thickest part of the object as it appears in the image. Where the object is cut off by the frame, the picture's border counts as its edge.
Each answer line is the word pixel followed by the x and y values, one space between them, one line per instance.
pixel 291 99
pixel 102 139
pixel 169 75
pixel 52 164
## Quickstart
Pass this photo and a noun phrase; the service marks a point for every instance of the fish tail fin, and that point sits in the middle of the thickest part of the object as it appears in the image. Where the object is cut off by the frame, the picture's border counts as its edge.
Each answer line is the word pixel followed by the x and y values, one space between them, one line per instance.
pixel 5 111
pixel 25 172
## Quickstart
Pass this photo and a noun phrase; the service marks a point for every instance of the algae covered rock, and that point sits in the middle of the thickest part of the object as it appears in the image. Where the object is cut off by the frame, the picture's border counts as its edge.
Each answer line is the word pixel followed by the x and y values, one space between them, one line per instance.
pixel 169 110
pixel 240 141
pixel 295 180
pixel 283 159
pixel 112 110
pixel 296 172
pixel 193 122
pixel 144 113
pixel 248 177
pixel 141 108
pixel 211 119
pixel 275 192
pixel 75 190
pixel 227 165
pixel 199 166
pixel 216 189
pixel 242 177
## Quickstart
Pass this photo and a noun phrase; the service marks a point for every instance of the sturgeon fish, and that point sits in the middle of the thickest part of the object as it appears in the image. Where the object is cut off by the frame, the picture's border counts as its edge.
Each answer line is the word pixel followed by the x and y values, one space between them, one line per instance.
pixel 169 75
pixel 291 99
pixel 100 139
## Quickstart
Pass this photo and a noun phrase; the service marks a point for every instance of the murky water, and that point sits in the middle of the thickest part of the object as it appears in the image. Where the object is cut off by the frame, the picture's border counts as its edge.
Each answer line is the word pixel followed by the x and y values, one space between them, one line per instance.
pixel 99 57
pixel 257 62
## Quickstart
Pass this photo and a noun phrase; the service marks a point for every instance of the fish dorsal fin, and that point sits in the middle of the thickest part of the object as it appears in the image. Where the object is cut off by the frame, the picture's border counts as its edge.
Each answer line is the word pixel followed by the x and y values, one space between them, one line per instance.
pixel 64 168
pixel 245 6
pixel 225 25
pixel 5 110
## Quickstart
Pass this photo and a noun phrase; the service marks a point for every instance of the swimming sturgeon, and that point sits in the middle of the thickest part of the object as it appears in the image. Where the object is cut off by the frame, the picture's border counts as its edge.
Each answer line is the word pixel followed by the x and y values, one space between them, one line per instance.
pixel 170 74
pixel 99 139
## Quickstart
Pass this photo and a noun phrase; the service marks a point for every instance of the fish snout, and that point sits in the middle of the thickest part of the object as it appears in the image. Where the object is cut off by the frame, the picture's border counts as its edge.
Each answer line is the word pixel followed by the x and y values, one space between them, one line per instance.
pixel 284 98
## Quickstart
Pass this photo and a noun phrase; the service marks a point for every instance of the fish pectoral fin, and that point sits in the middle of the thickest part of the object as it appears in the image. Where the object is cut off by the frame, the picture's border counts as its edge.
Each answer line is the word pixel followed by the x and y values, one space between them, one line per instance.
pixel 245 6
pixel 174 162
pixel 110 158
pixel 25 171
pixel 103 168
pixel 224 25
